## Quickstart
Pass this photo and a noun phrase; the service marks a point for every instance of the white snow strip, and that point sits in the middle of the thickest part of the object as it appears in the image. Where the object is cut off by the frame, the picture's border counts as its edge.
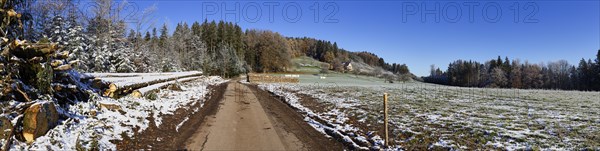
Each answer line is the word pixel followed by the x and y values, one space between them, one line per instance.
pixel 181 124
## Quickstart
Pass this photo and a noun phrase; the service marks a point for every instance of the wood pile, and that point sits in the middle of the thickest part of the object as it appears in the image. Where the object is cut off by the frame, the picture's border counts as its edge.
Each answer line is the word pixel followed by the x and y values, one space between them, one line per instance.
pixel 155 87
pixel 119 89
pixel 35 77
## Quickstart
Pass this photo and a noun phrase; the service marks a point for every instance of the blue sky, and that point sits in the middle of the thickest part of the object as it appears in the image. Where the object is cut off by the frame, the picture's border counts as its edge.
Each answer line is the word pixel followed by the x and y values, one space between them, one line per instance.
pixel 542 31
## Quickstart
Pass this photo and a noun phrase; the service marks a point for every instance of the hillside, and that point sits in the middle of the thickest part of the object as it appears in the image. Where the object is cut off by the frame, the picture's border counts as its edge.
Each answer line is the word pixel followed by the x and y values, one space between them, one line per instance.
pixel 308 65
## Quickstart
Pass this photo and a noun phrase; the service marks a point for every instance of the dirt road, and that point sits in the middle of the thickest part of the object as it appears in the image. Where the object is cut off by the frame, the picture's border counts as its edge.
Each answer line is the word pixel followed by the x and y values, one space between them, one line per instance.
pixel 251 119
pixel 234 117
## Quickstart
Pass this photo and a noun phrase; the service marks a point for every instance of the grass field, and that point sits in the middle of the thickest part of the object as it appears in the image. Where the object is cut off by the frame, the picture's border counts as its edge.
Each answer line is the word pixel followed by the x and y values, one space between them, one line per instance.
pixel 427 116
pixel 307 65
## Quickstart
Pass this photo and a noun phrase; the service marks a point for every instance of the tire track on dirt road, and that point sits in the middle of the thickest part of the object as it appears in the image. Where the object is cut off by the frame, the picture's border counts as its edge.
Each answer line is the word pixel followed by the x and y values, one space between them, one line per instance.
pixel 251 119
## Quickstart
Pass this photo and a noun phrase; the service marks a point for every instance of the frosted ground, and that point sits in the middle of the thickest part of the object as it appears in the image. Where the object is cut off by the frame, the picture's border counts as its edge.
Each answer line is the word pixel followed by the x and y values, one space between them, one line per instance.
pixel 427 116
pixel 91 126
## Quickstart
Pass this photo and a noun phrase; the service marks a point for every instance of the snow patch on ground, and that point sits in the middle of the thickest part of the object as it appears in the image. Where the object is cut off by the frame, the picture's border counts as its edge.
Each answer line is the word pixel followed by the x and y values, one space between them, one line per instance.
pixel 181 124
pixel 335 120
pixel 83 130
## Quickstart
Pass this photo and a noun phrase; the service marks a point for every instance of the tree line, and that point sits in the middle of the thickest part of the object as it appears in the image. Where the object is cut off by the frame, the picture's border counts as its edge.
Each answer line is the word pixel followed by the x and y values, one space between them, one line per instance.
pixel 101 42
pixel 499 73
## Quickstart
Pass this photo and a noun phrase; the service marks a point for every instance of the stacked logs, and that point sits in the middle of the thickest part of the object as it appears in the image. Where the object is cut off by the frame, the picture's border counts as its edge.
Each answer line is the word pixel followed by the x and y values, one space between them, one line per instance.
pixel 171 85
pixel 36 77
pixel 115 91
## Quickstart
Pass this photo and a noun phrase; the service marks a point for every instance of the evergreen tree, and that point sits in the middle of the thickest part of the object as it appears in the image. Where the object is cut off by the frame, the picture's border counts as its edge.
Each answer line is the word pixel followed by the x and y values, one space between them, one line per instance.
pixel 596 73
pixel 197 55
pixel 131 36
pixel 583 75
pixel 164 35
pixel 78 45
pixel 154 34
pixel 147 37
pixel 57 32
pixel 111 51
pixel 196 29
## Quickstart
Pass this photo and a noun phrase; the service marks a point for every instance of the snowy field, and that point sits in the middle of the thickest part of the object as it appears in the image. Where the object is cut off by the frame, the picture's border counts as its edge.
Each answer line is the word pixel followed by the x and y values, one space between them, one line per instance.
pixel 94 124
pixel 427 116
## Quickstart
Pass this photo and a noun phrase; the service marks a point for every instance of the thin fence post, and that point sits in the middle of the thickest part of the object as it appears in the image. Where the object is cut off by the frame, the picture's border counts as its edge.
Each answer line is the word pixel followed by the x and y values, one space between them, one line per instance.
pixel 385 115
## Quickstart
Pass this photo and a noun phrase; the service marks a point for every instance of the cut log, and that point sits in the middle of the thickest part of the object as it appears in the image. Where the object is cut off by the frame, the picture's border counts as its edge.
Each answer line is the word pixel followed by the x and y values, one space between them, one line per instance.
pixel 35 60
pixel 112 87
pixel 106 94
pixel 63 67
pixel 5 52
pixel 7 131
pixel 142 92
pixel 56 63
pixel 112 107
pixel 74 62
pixel 11 13
pixel 125 88
pixel 62 55
pixel 5 128
pixel 110 92
pixel 136 94
pixel 38 119
pixel 27 50
pixel 17 43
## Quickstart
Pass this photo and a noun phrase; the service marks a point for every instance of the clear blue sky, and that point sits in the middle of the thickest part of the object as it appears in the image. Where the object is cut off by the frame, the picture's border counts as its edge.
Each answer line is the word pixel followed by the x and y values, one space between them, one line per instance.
pixel 544 30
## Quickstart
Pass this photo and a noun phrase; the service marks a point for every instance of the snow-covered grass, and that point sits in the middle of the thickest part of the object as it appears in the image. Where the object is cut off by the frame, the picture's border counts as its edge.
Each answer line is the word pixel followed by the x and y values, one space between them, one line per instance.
pixel 91 126
pixel 331 122
pixel 426 116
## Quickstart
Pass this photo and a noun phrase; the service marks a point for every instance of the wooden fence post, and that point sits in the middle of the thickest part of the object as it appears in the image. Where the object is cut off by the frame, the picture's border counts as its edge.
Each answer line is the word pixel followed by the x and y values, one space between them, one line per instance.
pixel 385 115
